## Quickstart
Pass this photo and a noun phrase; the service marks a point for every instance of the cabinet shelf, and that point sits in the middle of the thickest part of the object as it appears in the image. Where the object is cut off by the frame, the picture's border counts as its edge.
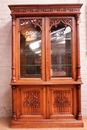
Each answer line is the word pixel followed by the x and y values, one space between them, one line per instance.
pixel 62 65
pixel 28 65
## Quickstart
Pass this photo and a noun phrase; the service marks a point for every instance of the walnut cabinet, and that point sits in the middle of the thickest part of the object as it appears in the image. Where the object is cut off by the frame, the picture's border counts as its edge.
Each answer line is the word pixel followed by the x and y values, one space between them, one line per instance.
pixel 46 80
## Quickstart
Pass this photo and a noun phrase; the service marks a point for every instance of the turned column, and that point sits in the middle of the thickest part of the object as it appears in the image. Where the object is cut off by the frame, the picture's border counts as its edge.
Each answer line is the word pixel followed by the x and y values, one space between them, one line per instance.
pixel 78 48
pixel 13 50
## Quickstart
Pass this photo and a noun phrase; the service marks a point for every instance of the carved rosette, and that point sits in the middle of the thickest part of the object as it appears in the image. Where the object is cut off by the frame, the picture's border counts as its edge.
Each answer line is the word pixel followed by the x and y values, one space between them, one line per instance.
pixel 35 22
pixel 31 100
pixel 56 21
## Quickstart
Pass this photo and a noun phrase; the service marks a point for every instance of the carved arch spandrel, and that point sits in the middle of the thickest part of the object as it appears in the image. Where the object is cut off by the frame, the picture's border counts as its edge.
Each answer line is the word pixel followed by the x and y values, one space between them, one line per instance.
pixel 56 21
pixel 35 22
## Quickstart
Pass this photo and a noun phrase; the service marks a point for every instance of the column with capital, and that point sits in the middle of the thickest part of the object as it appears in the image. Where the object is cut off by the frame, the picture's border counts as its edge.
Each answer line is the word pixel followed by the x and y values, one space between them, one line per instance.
pixel 13 50
pixel 78 49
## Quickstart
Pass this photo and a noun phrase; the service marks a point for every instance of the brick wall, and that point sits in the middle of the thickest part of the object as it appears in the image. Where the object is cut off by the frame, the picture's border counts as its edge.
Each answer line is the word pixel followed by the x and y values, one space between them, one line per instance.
pixel 83 48
pixel 5 51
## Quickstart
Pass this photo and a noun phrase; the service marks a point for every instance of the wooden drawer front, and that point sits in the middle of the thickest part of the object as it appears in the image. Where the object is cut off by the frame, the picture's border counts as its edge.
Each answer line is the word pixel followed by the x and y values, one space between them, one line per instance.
pixel 62 101
pixel 31 101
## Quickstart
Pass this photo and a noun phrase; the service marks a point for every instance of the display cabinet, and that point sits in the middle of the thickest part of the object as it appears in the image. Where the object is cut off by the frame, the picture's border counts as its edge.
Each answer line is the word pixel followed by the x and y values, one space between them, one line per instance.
pixel 46 80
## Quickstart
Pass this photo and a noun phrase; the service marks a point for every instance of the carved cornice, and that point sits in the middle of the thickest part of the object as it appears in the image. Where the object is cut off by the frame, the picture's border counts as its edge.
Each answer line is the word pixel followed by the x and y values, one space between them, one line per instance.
pixel 45 9
pixel 28 10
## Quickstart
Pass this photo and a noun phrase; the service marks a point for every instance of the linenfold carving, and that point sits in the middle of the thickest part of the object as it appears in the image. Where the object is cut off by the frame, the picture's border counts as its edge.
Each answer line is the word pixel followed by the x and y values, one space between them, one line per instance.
pixel 31 100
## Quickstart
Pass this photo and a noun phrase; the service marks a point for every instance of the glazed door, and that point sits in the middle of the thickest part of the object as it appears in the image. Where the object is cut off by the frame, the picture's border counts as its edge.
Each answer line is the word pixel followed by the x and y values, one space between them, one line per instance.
pixel 30 36
pixel 60 49
pixel 47 49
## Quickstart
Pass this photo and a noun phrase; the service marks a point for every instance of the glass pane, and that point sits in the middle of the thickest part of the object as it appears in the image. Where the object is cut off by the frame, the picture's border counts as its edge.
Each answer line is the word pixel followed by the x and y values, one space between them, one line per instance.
pixel 30 51
pixel 61 65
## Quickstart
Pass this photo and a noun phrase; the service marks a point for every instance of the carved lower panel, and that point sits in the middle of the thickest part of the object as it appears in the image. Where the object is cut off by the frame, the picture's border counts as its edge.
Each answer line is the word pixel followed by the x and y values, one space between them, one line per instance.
pixel 62 101
pixel 31 102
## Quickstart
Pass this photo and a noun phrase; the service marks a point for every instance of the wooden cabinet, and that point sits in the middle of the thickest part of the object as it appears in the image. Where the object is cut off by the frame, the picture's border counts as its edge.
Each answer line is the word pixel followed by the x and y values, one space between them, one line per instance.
pixel 46 80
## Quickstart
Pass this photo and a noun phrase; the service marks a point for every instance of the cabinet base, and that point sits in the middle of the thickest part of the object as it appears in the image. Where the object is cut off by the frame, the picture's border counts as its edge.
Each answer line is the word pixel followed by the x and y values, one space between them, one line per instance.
pixel 47 123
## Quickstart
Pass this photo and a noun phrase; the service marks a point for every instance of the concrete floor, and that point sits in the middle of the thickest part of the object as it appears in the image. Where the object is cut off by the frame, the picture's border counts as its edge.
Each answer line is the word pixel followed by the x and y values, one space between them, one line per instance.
pixel 5 125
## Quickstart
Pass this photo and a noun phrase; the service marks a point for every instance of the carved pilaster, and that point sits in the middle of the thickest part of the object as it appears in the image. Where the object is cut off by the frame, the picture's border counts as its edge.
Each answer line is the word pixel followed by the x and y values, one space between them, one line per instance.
pixel 78 48
pixel 13 49
pixel 79 116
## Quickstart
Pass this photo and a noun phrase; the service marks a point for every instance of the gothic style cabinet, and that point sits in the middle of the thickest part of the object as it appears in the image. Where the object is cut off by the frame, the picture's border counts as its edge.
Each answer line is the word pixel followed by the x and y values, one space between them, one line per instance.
pixel 46 80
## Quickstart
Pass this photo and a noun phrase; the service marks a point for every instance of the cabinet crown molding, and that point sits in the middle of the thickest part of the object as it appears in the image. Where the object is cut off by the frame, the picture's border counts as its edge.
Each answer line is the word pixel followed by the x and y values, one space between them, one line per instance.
pixel 49 9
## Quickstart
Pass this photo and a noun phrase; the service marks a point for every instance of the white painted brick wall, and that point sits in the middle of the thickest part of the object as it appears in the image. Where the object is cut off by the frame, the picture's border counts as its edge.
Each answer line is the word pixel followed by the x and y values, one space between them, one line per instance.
pixel 5 51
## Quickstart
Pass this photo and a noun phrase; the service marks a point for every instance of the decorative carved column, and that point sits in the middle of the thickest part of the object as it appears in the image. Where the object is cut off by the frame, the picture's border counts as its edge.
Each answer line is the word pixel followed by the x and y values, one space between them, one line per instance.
pixel 79 116
pixel 13 50
pixel 78 49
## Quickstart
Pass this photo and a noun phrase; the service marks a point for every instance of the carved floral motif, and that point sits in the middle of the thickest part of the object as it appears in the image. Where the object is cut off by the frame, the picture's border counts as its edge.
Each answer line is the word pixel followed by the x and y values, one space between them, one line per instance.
pixel 31 100
pixel 62 101
pixel 61 98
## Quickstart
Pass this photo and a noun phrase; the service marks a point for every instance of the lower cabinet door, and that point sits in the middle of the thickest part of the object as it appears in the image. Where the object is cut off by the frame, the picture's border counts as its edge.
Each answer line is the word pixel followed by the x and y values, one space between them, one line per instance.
pixel 61 101
pixel 45 102
pixel 31 102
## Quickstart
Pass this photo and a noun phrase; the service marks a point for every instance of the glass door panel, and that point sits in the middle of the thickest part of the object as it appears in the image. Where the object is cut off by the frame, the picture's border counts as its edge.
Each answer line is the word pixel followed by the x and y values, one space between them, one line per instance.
pixel 30 49
pixel 61 60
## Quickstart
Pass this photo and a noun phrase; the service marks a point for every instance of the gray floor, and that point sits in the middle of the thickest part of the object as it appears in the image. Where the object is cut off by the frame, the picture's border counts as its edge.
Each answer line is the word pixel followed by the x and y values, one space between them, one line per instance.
pixel 5 125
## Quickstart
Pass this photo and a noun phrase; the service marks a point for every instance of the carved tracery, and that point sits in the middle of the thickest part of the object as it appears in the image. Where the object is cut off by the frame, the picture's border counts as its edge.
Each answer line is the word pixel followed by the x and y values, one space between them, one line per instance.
pixel 35 22
pixel 31 99
pixel 56 21
pixel 62 98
